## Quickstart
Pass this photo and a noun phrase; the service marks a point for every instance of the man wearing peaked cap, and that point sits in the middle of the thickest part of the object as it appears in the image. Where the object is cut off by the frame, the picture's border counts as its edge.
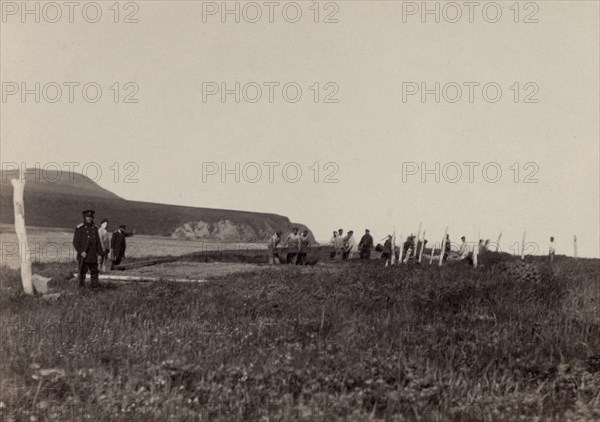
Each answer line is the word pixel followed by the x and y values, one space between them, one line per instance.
pixel 86 241
pixel 118 244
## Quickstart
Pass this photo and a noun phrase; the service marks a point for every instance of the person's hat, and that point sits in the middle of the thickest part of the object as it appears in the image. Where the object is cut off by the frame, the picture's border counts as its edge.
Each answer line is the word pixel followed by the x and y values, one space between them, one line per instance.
pixel 105 220
pixel 368 231
pixel 88 213
pixel 462 238
pixel 122 226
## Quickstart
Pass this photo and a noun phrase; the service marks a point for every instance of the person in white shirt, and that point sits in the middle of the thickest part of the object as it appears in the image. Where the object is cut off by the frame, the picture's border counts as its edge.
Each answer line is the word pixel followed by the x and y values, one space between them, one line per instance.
pixel 292 242
pixel 350 246
pixel 104 245
pixel 463 252
pixel 333 243
pixel 551 250
pixel 339 244
pixel 273 242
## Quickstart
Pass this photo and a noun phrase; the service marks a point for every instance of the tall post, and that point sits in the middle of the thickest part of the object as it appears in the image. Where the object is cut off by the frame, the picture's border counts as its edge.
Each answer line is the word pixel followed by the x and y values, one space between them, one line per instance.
pixel 422 246
pixel 431 254
pixel 443 246
pixel 498 242
pixel 575 246
pixel 19 205
pixel 393 257
pixel 400 254
pixel 475 254
pixel 523 245
pixel 416 251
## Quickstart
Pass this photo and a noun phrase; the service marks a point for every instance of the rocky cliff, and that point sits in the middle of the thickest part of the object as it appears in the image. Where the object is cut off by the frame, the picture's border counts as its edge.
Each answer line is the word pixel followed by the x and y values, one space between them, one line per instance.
pixel 55 200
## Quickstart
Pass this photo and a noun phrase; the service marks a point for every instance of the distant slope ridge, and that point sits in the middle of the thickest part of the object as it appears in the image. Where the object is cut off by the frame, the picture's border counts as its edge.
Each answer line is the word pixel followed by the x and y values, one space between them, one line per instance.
pixel 58 182
pixel 59 203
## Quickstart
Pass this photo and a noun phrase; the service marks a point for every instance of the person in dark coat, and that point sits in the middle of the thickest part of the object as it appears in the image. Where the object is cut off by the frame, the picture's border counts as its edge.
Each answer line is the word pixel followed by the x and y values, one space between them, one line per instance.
pixel 118 245
pixel 365 245
pixel 292 244
pixel 86 241
pixel 304 247
pixel 409 245
pixel 386 252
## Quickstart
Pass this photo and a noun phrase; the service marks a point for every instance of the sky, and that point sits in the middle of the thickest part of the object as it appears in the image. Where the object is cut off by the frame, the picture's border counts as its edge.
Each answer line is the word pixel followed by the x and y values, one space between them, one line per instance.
pixel 351 108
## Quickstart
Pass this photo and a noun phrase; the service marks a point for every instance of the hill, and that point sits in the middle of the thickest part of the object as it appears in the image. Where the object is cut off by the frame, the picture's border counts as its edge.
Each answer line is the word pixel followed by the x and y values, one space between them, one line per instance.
pixel 57 199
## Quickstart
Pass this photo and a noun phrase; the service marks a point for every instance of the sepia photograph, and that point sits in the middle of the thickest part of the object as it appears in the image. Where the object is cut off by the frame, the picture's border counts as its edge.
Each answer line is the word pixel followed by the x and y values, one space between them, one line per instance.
pixel 300 211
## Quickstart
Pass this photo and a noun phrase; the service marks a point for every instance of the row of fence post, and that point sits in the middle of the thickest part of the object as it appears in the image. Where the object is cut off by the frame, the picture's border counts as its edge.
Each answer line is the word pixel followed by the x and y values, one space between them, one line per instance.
pixel 418 252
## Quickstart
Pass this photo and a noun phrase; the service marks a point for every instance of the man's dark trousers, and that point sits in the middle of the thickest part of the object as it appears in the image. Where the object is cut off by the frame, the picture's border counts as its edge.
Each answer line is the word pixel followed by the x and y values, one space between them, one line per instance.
pixel 116 261
pixel 365 254
pixel 83 269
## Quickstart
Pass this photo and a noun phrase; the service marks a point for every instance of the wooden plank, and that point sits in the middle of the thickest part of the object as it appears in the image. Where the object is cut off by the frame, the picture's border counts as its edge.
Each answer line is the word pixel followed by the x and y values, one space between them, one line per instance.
pixel 131 278
pixel 140 264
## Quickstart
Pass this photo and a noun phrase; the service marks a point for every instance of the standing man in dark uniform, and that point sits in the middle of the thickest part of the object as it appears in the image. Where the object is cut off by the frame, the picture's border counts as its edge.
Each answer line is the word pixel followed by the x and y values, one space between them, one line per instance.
pixel 118 245
pixel 365 245
pixel 86 241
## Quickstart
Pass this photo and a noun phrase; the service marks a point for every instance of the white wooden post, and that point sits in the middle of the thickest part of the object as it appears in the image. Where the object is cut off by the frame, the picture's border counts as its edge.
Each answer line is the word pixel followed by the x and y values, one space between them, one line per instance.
pixel 523 245
pixel 575 246
pixel 443 246
pixel 400 252
pixel 416 248
pixel 475 254
pixel 498 242
pixel 422 246
pixel 19 205
pixel 431 254
pixel 393 257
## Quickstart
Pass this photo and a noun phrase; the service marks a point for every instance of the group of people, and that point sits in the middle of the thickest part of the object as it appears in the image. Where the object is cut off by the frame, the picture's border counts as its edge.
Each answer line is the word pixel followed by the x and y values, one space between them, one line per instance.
pixel 297 246
pixel 413 248
pixel 346 247
pixel 94 247
pixel 410 249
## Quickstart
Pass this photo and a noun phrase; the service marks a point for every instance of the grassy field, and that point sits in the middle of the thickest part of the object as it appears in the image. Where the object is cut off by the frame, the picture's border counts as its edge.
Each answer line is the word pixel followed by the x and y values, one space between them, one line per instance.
pixel 342 341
